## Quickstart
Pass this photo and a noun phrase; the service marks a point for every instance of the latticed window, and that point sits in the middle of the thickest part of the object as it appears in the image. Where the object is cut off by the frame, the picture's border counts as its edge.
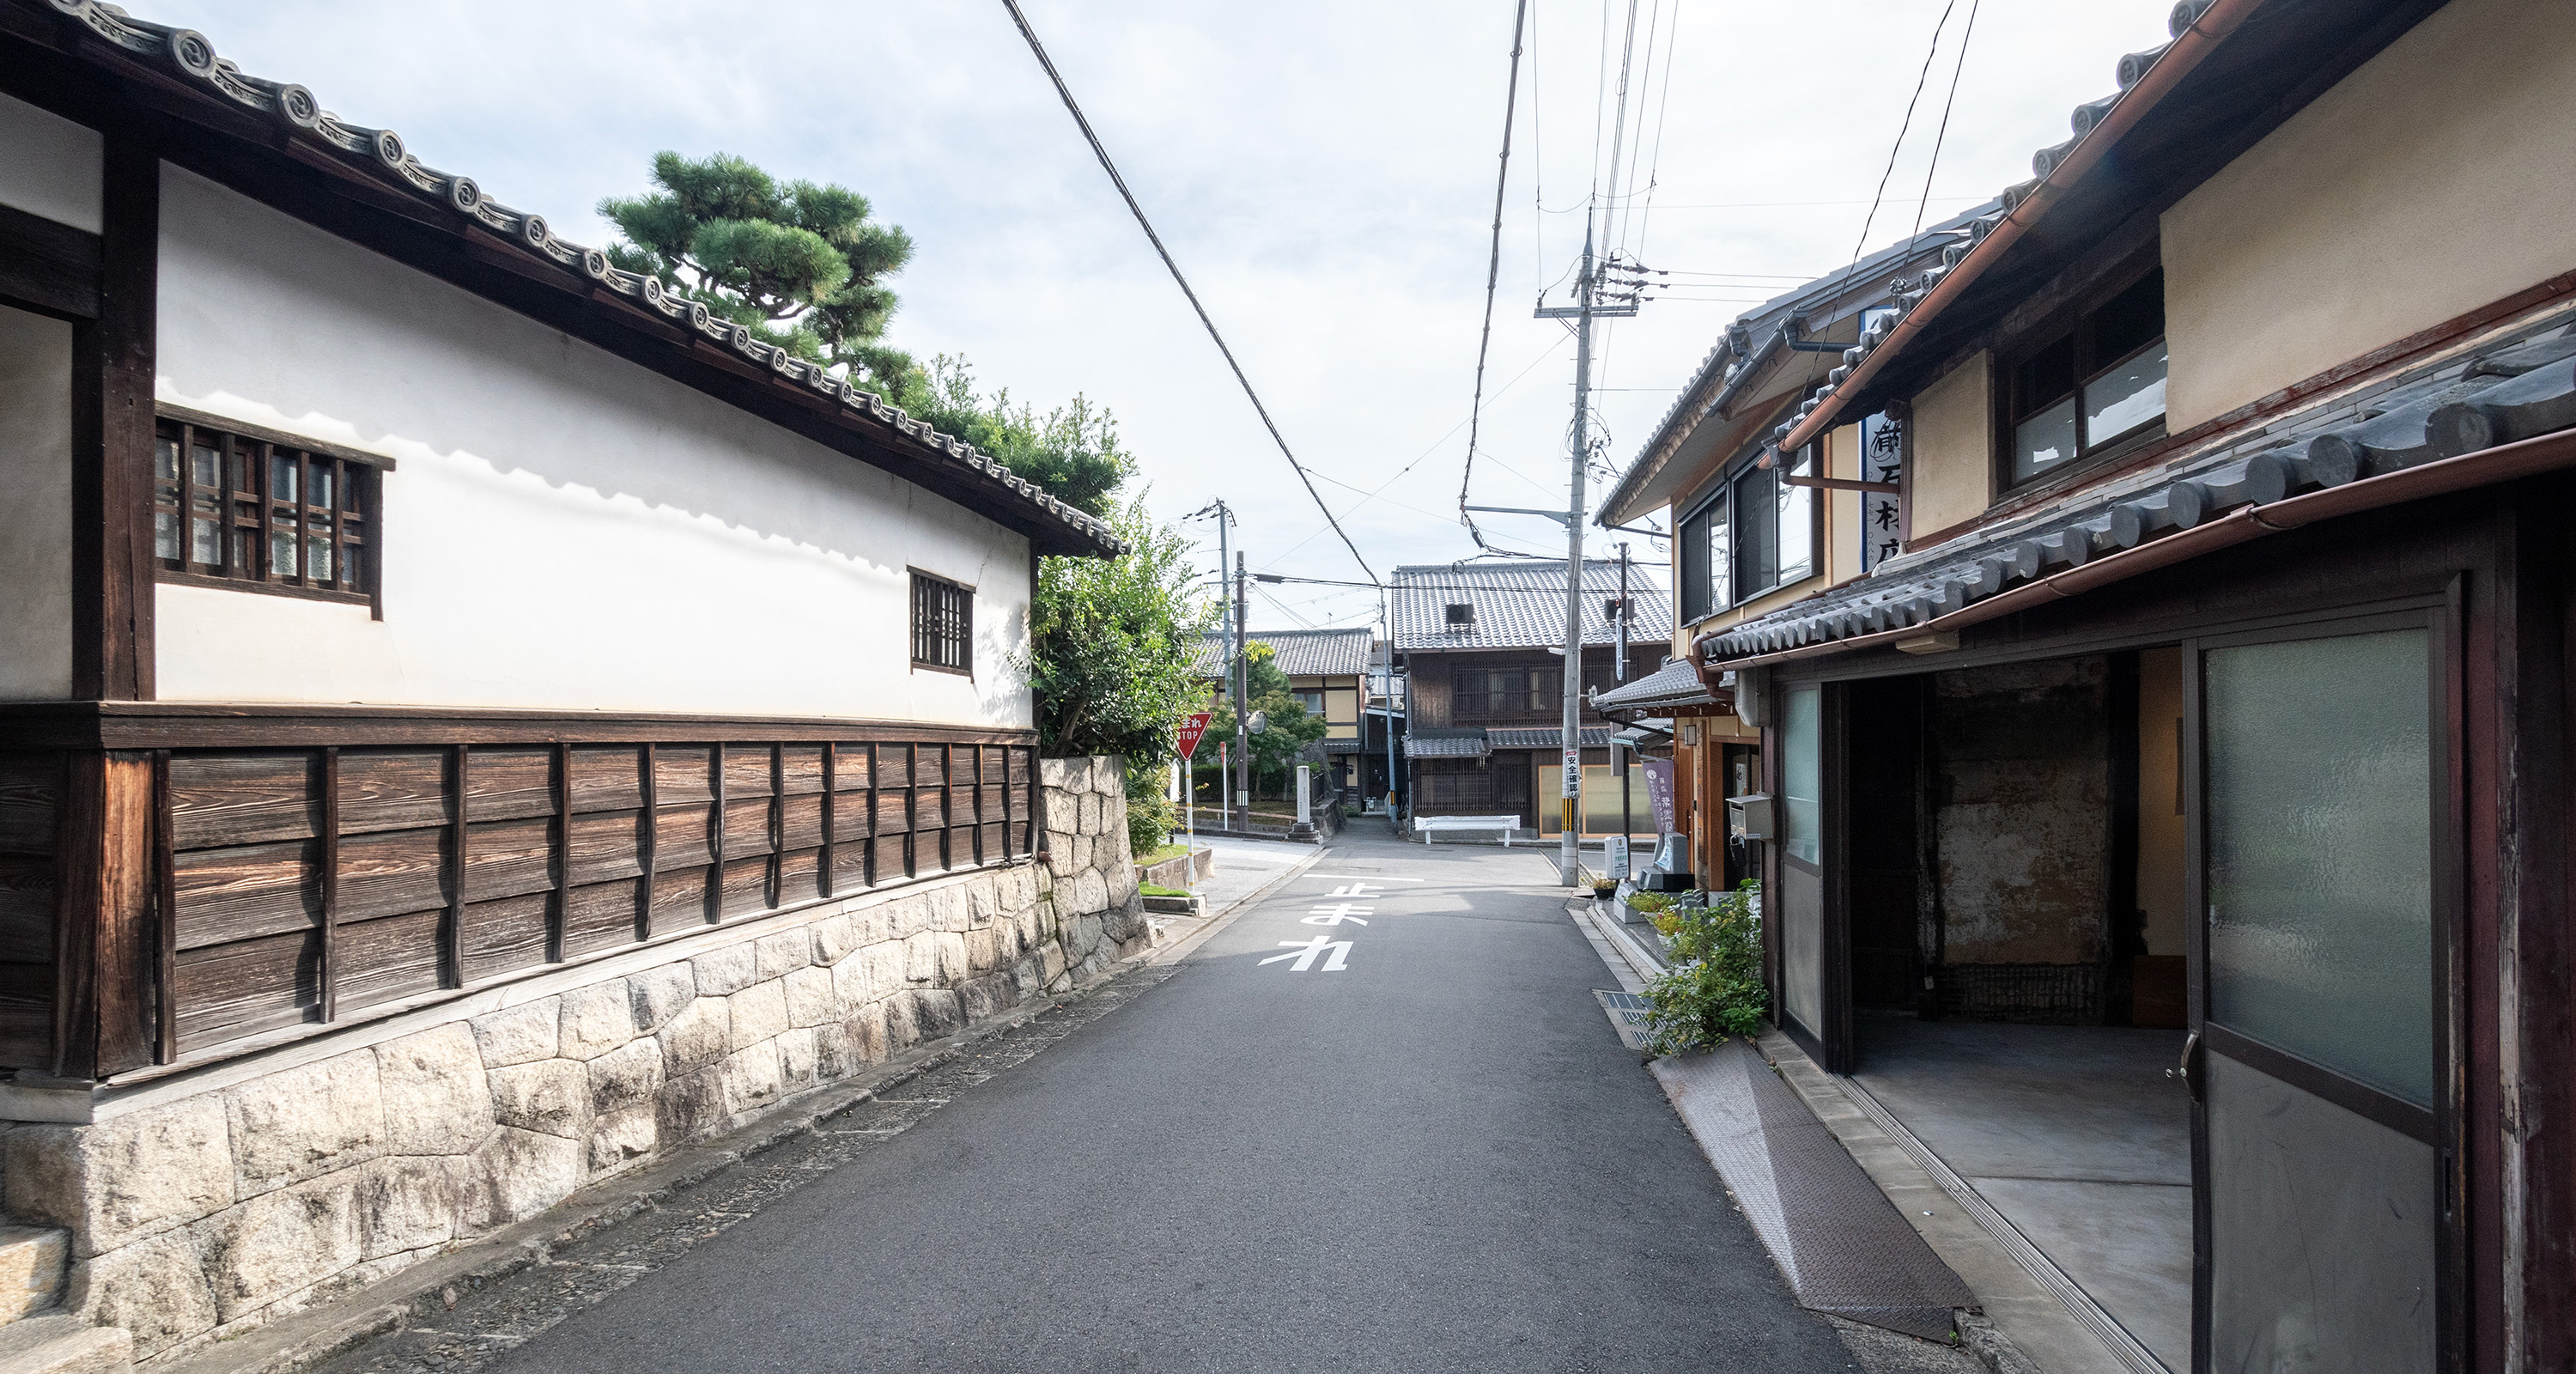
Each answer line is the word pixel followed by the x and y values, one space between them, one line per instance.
pixel 242 512
pixel 943 624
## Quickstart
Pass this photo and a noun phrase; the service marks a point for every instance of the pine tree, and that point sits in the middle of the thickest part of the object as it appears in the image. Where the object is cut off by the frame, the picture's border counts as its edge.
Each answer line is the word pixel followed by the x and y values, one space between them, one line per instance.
pixel 800 264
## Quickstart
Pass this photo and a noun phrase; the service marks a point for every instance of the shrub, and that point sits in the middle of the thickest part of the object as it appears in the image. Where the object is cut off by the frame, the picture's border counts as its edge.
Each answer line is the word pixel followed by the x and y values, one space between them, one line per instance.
pixel 1151 816
pixel 1714 987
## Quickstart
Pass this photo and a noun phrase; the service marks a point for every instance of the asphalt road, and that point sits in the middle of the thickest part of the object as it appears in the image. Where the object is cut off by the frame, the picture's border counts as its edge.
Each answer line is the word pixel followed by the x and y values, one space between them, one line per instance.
pixel 1435 1157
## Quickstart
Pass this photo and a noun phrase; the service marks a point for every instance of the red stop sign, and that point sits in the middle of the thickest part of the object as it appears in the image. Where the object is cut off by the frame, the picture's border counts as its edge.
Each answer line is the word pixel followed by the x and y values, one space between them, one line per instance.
pixel 1193 726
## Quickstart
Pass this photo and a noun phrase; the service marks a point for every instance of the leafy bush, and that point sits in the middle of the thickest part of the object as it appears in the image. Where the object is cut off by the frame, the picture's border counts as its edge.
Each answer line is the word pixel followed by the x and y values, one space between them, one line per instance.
pixel 1714 987
pixel 1151 816
pixel 1649 903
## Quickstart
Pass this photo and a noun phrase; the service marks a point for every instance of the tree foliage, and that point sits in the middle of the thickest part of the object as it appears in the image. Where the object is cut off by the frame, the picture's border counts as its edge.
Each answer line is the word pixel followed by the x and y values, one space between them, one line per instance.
pixel 1110 645
pixel 1072 451
pixel 800 264
pixel 1291 727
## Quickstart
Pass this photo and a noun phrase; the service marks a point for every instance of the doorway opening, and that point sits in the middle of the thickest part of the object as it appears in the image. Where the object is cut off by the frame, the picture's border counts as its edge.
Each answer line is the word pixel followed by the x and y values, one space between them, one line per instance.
pixel 2013 873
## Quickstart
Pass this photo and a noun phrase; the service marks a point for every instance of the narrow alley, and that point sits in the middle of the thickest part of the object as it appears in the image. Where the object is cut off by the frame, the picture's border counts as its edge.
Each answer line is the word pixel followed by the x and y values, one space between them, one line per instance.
pixel 1376 1121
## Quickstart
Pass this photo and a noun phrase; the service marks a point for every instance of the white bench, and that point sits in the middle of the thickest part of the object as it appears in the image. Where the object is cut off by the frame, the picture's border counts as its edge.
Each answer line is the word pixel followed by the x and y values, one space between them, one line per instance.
pixel 1426 826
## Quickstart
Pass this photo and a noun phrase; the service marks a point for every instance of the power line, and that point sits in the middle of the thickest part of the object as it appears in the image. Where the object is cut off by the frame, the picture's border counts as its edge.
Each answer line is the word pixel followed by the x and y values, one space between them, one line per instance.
pixel 1815 360
pixel 1965 37
pixel 1157 240
pixel 1493 274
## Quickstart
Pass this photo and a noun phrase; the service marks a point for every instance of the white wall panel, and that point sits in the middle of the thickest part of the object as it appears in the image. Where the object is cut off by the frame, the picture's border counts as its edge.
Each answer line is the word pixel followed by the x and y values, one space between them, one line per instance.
pixel 50 166
pixel 565 530
pixel 36 539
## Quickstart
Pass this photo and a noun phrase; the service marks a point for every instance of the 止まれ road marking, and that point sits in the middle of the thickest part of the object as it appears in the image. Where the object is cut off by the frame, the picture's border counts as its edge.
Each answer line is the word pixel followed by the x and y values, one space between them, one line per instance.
pixel 1337 913
pixel 1306 950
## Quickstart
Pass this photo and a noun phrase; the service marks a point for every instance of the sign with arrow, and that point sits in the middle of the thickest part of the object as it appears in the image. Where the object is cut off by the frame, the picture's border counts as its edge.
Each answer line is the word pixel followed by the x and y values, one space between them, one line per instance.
pixel 1193 726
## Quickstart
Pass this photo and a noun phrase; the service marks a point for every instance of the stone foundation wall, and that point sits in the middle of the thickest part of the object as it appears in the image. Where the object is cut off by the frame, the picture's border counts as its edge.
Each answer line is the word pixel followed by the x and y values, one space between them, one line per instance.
pixel 316 1168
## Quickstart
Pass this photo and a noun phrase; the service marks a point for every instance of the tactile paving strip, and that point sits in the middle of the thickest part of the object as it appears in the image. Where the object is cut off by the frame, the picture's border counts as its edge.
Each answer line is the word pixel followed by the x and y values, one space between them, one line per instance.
pixel 1844 1247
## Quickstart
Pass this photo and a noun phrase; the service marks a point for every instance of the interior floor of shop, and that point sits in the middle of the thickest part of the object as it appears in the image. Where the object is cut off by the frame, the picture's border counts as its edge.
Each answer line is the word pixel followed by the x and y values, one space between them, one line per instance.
pixel 2074 1134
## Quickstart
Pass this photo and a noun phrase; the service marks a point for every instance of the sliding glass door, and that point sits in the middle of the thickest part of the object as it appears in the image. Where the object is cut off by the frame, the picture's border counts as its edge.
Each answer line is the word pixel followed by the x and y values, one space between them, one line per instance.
pixel 2323 1010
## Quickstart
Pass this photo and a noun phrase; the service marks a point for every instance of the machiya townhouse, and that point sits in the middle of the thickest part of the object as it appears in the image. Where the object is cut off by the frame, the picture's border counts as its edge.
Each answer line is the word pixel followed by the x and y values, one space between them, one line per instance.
pixel 2158 686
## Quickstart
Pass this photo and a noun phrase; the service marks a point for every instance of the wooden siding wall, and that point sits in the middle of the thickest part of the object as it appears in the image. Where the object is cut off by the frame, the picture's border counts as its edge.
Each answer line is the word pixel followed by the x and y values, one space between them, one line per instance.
pixel 307 885
pixel 31 800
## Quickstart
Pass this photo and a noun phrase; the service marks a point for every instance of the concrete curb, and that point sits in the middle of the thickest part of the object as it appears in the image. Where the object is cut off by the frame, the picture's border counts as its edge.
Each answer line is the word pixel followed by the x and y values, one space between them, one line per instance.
pixel 2021 1316
pixel 293 1344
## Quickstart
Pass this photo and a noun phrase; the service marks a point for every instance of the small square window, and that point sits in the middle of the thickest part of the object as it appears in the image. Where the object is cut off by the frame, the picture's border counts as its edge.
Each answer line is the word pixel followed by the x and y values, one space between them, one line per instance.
pixel 2099 383
pixel 248 513
pixel 943 624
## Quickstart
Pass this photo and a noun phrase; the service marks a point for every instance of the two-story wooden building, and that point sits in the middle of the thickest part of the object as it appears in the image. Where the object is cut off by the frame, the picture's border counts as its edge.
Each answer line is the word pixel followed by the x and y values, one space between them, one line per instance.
pixel 1328 672
pixel 470 720
pixel 1754 533
pixel 1481 644
pixel 2211 720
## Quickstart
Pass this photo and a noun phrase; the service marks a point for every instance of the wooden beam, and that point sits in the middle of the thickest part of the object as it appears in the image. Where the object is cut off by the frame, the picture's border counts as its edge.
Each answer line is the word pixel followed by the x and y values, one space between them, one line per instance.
pixel 777 824
pixel 112 433
pixel 559 910
pixel 1842 484
pixel 278 725
pixel 48 268
pixel 716 835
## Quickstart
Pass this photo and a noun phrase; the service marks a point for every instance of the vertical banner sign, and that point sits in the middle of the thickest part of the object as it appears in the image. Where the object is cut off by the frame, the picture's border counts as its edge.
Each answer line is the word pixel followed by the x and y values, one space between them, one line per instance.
pixel 1882 459
pixel 1659 792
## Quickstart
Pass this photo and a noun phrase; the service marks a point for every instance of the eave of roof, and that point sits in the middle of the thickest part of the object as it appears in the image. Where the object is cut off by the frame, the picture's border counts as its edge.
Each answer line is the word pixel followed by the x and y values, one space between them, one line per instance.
pixel 1738 367
pixel 2499 408
pixel 285 126
pixel 2233 70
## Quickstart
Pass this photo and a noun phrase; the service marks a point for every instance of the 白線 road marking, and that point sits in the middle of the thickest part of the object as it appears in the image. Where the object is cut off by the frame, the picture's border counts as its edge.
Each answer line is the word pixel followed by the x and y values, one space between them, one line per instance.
pixel 1304 952
pixel 1337 913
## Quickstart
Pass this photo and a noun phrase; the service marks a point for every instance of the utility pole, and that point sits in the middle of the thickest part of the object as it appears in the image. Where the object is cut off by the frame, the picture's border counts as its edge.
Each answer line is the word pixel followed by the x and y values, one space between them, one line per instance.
pixel 1242 728
pixel 1627 291
pixel 1234 662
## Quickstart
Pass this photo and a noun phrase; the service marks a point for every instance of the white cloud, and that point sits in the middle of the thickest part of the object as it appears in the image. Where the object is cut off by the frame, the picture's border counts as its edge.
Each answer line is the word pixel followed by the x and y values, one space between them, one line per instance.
pixel 1323 172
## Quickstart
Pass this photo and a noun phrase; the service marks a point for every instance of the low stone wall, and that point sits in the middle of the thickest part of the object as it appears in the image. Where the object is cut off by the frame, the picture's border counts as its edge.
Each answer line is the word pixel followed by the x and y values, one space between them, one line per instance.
pixel 207 1204
pixel 1180 871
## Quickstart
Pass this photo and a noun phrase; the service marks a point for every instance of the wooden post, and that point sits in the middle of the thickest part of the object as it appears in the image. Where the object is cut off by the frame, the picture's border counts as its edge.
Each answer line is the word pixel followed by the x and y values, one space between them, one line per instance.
pixel 868 859
pixel 106 949
pixel 715 837
pixel 330 885
pixel 165 911
pixel 453 941
pixel 826 882
pixel 777 825
pixel 647 842
pixel 112 435
pixel 559 911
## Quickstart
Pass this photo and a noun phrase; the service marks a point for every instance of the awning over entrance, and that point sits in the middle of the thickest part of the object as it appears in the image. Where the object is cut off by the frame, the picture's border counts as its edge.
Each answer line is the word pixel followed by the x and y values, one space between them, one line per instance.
pixel 2498 411
pixel 1433 743
pixel 1657 693
pixel 1594 737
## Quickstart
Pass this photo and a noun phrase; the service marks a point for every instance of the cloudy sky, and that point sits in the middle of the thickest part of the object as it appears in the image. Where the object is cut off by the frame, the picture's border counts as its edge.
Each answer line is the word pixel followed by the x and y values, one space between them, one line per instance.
pixel 1324 173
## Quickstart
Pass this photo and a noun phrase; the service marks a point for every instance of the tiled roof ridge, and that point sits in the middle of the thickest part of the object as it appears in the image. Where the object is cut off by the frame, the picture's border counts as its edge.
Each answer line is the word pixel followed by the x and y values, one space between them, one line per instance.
pixel 1735 358
pixel 298 111
pixel 2514 383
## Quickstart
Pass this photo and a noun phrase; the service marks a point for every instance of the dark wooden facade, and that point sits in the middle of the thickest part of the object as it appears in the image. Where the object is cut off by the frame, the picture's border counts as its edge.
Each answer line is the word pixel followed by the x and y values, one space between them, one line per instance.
pixel 216 875
pixel 1507 780
pixel 2491 571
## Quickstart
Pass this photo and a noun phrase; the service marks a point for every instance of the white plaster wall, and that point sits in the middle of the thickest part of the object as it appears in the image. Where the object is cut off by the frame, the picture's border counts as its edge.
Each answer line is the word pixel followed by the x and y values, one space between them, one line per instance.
pixel 50 166
pixel 565 530
pixel 36 539
pixel 2430 182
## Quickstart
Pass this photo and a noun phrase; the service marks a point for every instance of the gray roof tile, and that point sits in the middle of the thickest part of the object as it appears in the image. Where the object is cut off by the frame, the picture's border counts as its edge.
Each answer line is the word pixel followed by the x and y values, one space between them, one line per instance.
pixel 1520 604
pixel 1301 653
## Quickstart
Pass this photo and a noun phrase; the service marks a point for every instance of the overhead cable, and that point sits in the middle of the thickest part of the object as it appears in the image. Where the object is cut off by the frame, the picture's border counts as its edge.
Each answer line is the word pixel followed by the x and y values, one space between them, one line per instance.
pixel 1147 225
pixel 1493 273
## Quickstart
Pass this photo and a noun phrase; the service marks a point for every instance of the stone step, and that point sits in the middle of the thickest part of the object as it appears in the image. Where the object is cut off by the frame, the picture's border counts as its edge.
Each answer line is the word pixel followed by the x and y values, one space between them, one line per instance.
pixel 32 1263
pixel 56 1344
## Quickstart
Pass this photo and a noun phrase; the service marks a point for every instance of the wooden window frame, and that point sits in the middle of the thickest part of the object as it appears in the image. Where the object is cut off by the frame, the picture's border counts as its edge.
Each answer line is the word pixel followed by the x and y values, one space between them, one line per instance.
pixel 244 503
pixel 931 638
pixel 2075 318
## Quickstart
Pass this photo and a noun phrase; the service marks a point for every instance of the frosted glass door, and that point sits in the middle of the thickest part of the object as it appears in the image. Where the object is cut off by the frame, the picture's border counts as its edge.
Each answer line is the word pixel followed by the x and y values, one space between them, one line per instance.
pixel 1802 890
pixel 2319 759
